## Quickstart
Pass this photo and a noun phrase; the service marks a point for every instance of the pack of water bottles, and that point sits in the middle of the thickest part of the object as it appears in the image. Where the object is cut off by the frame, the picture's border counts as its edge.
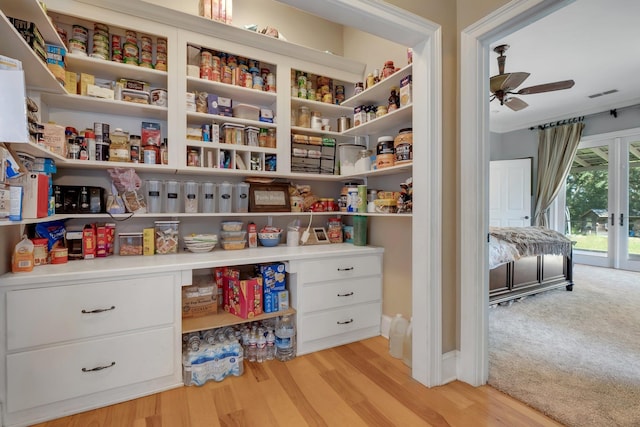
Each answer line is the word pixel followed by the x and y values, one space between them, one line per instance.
pixel 213 354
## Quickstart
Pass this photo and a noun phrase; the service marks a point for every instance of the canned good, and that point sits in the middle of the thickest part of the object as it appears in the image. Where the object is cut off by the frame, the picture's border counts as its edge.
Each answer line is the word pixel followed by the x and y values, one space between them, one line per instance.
pixel 151 154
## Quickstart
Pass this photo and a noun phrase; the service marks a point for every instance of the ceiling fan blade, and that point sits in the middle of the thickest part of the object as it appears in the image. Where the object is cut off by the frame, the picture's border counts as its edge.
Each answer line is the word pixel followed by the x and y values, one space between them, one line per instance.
pixel 507 82
pixel 547 87
pixel 516 104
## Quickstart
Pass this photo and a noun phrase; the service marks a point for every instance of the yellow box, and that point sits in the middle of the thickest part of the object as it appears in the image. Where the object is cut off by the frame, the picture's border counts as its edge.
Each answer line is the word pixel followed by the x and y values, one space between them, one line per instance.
pixel 86 79
pixel 71 82
pixel 57 71
pixel 148 241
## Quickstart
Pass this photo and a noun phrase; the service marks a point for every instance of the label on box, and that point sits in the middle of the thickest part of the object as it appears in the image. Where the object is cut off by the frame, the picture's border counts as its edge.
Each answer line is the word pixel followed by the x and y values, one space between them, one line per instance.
pixel 273 277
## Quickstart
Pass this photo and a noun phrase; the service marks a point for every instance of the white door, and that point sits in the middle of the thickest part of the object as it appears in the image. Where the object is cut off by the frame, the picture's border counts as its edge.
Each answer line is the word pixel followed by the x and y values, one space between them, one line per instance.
pixel 603 202
pixel 510 193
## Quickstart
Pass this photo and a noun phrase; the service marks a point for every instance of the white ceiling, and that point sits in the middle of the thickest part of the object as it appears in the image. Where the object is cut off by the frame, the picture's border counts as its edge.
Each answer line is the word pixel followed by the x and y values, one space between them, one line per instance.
pixel 594 42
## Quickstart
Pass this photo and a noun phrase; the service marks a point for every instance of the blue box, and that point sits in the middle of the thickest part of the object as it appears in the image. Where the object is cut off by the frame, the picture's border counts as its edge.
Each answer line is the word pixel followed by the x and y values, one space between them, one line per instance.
pixel 219 105
pixel 273 277
pixel 270 302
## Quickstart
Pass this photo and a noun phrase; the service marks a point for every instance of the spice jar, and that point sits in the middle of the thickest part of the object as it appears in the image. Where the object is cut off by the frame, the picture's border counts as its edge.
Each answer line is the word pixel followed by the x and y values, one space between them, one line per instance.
pixel 271 138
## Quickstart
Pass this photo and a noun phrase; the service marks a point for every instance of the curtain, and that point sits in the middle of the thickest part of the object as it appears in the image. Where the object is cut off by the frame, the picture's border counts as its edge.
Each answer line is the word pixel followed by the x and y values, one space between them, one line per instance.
pixel 557 147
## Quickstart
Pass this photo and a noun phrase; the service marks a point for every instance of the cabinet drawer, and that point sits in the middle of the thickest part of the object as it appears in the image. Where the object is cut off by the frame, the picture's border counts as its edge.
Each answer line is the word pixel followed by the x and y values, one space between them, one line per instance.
pixel 340 321
pixel 48 315
pixel 339 293
pixel 54 374
pixel 341 268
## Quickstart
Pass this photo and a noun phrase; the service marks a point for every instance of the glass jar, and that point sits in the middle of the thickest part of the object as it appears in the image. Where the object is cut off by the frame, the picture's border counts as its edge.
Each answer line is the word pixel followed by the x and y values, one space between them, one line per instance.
pixel 193 158
pixel 135 148
pixel 381 110
pixel 304 117
pixel 262 137
pixel 271 138
pixel 388 69
pixel 151 154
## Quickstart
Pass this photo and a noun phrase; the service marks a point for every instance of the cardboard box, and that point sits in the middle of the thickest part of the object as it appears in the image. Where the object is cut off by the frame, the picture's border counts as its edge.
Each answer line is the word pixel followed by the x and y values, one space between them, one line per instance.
pixel 199 301
pixel 57 70
pixel 283 300
pixel 405 91
pixel 271 302
pixel 102 248
pixel 219 105
pixel 89 241
pixel 245 297
pixel 273 277
pixel 5 202
pixel 99 92
pixel 148 241
pixel 85 79
pixel 35 194
pixel 71 82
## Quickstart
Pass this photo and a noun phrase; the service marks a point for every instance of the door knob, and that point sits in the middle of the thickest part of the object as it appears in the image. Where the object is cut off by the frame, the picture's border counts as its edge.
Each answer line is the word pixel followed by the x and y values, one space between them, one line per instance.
pixel 526 217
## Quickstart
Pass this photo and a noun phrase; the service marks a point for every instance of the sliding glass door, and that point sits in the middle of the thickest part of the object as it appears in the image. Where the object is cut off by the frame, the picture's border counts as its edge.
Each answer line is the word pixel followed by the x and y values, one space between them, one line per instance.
pixel 602 201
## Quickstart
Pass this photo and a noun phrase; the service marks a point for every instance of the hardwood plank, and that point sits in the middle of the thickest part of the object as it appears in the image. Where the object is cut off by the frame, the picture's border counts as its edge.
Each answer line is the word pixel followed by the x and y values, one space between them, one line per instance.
pixel 358 384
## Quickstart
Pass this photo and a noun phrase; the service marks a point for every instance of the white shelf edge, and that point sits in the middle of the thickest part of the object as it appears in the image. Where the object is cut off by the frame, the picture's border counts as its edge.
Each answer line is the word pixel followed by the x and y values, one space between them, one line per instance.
pixel 204 117
pixel 104 106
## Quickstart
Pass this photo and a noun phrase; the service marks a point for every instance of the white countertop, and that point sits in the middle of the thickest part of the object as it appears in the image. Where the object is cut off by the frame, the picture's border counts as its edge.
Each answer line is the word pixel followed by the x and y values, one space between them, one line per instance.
pixel 115 266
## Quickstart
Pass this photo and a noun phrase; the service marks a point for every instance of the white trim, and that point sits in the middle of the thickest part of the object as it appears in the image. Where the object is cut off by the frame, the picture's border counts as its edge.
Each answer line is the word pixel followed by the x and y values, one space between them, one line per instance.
pixel 450 361
pixel 474 172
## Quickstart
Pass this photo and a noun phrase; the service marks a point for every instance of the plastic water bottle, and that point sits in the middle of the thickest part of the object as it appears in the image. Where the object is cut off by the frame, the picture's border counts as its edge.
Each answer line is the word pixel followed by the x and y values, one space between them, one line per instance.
pixel 285 338
pixel 253 346
pixel 261 353
pixel 271 345
pixel 397 331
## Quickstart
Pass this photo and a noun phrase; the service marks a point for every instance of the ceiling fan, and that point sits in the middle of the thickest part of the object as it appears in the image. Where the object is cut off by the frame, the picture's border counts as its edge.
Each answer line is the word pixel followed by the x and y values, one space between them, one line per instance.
pixel 503 84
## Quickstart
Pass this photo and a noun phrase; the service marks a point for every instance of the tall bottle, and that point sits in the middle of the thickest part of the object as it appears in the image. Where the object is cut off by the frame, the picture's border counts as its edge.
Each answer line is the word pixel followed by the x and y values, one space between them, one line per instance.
pixel 253 346
pixel 261 352
pixel 407 345
pixel 396 335
pixel 271 345
pixel 285 338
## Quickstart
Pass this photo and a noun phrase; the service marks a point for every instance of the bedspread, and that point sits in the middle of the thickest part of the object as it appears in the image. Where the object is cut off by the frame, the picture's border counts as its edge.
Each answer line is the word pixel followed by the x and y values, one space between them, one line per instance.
pixel 508 244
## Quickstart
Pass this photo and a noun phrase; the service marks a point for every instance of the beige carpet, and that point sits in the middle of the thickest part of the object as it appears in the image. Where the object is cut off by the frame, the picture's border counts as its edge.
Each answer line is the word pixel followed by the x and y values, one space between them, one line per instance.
pixel 574 356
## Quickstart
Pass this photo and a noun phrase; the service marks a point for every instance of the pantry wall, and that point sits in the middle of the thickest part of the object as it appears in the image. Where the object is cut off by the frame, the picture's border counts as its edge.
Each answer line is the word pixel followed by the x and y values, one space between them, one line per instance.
pixel 384 231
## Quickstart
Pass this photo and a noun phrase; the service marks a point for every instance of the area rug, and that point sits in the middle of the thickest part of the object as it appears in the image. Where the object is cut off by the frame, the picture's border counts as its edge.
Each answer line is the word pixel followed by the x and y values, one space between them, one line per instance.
pixel 574 356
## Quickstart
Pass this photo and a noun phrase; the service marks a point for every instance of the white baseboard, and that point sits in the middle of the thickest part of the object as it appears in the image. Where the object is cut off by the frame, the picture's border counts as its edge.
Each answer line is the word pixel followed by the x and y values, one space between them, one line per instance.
pixel 449 359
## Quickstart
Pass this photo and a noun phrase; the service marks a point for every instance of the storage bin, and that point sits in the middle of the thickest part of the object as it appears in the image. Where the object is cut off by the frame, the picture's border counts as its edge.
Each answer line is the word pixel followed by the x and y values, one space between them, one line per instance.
pixel 154 200
pixel 242 197
pixel 172 197
pixel 130 244
pixel 208 197
pixel 225 191
pixel 166 237
pixel 246 111
pixel 349 155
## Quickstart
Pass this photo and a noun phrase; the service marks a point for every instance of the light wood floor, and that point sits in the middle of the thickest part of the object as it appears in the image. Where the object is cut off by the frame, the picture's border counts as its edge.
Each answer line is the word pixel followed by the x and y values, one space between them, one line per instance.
pixel 359 384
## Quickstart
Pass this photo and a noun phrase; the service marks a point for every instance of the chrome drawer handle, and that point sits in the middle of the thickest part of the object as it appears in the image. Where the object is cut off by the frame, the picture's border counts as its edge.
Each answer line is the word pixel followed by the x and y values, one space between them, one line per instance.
pixel 345 269
pixel 344 323
pixel 346 295
pixel 99 310
pixel 98 368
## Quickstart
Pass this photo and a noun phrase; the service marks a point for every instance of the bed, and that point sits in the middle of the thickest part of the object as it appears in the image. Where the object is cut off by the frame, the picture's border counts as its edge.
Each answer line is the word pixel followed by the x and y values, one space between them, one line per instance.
pixel 527 260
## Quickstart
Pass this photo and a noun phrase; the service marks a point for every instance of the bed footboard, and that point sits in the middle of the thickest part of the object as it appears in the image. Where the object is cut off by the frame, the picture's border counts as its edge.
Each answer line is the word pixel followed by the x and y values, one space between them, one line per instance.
pixel 530 275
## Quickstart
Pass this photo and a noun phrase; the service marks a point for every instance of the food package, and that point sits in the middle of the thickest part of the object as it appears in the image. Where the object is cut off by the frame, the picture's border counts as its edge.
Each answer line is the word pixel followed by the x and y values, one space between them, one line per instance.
pixel 22 259
pixel 128 184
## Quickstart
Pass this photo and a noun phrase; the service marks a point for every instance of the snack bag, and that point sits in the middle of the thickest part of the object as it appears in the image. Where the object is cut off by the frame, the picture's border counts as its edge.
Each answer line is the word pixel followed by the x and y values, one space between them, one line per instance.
pixel 22 259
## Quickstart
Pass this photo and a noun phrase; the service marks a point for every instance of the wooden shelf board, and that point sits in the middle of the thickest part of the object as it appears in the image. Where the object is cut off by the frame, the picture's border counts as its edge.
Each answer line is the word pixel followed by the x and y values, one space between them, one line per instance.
pixel 221 319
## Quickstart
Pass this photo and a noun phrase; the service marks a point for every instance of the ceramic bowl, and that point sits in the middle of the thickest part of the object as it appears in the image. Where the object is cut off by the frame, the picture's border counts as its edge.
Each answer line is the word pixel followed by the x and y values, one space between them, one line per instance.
pixel 269 239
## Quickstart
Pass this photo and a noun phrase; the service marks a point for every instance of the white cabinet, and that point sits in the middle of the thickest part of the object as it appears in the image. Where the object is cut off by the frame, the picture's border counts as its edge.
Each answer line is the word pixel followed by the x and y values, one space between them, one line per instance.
pixel 78 346
pixel 338 300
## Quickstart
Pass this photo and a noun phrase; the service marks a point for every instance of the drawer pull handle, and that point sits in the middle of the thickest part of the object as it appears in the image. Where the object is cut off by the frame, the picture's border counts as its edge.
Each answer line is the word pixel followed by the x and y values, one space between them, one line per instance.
pixel 345 269
pixel 98 310
pixel 345 323
pixel 98 368
pixel 348 294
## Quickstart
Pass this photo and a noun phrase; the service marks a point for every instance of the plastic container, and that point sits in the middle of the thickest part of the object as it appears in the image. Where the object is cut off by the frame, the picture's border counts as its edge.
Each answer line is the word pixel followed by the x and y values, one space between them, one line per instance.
pixel 154 196
pixel 225 191
pixel 191 197
pixel 349 155
pixel 285 338
pixel 208 197
pixel 407 345
pixel 166 237
pixel 241 198
pixel 232 225
pixel 130 243
pixel 172 197
pixel 247 112
pixel 360 230
pixel 397 332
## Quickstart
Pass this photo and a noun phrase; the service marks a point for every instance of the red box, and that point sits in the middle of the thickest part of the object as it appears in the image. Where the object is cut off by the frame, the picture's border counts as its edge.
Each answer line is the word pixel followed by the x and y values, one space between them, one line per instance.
pixel 245 297
pixel 228 276
pixel 89 241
